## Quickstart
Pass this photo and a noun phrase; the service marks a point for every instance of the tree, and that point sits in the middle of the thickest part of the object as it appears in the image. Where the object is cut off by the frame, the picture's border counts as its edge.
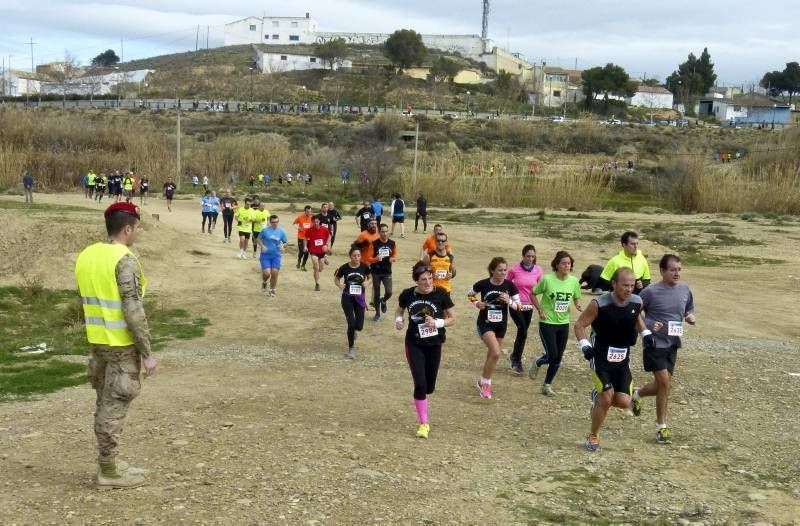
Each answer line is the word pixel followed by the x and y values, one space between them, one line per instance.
pixel 444 69
pixel 331 52
pixel 692 79
pixel 653 82
pixel 608 80
pixel 405 48
pixel 788 81
pixel 106 59
pixel 66 74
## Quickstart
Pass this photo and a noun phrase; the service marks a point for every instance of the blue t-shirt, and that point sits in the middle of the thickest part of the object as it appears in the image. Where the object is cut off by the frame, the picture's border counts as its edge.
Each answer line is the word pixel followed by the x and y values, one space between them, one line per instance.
pixel 377 207
pixel 272 239
pixel 214 204
pixel 207 203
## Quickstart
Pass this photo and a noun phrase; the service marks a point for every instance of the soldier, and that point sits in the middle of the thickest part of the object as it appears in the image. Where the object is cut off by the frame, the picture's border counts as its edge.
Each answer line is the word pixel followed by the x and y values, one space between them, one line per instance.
pixel 112 285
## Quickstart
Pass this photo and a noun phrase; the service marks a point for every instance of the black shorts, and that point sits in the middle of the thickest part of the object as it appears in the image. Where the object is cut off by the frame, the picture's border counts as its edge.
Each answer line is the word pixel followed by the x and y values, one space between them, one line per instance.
pixel 245 235
pixel 169 196
pixel 621 380
pixel 660 359
pixel 398 220
pixel 499 329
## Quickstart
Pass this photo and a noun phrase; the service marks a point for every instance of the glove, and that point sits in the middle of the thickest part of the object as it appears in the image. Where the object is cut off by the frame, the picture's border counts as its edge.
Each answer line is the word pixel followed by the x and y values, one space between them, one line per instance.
pixel 648 341
pixel 586 349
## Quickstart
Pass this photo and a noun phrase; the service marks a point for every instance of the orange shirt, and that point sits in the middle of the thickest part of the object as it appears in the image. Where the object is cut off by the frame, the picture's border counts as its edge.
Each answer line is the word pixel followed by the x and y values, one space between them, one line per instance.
pixel 304 222
pixel 364 241
pixel 430 244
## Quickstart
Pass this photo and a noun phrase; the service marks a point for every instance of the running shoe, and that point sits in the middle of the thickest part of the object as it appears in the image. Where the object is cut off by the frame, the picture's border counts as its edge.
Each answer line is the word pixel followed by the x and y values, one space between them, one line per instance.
pixel 423 430
pixel 351 354
pixel 636 406
pixel 533 372
pixel 303 268
pixel 485 390
pixel 298 266
pixel 664 436
pixel 377 317
pixel 272 292
pixel 593 444
pixel 383 306
pixel 316 286
pixel 516 368
pixel 547 390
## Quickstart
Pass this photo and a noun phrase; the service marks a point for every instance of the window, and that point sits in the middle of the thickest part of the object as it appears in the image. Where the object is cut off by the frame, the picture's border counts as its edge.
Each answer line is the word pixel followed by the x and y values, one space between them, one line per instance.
pixel 252 27
pixel 283 57
pixel 295 38
pixel 294 24
pixel 275 23
pixel 275 37
pixel 556 93
pixel 313 59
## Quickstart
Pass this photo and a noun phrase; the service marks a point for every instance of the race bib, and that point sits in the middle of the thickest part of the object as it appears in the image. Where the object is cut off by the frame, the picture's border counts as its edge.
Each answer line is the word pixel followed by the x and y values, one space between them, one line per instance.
pixel 384 252
pixel 562 306
pixel 675 328
pixel 366 215
pixel 326 225
pixel 317 242
pixel 440 274
pixel 355 290
pixel 616 354
pixel 306 225
pixel 427 332
pixel 494 315
pixel 227 205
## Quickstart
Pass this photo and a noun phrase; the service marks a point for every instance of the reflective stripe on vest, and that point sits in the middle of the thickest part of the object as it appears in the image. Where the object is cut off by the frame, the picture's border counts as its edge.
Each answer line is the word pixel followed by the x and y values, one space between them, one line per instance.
pixel 95 272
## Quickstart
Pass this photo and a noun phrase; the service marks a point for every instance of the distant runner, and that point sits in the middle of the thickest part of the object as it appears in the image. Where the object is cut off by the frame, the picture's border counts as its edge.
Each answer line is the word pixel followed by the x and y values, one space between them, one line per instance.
pixel 317 247
pixel 384 252
pixel 272 241
pixel 169 192
pixel 524 275
pixel 631 257
pixel 442 263
pixel 422 213
pixel 244 219
pixel 364 215
pixel 352 279
pixel 303 223
pixel 398 210
pixel 228 205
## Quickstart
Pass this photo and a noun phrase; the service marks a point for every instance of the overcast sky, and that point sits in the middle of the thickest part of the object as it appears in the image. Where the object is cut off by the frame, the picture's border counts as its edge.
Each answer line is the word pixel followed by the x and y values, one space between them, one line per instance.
pixel 745 39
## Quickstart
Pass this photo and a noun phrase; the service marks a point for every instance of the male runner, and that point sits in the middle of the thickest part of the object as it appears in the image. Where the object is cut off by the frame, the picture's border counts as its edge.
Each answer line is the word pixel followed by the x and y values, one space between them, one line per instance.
pixel 630 256
pixel 615 321
pixel 422 213
pixel 303 223
pixel 325 217
pixel 317 246
pixel 384 252
pixel 364 214
pixel 364 242
pixel 429 245
pixel 228 205
pixel 244 219
pixel 442 264
pixel 260 218
pixel 336 216
pixel 667 304
pixel 100 182
pixel 272 241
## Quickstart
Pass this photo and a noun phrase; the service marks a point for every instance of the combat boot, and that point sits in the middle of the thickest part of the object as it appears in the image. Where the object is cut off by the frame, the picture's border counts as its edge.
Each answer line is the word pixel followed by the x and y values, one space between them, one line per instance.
pixel 124 467
pixel 108 476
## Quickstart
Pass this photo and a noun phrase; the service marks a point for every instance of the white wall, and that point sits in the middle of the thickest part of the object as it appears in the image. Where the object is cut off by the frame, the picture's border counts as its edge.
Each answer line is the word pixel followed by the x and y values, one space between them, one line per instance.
pixel 256 30
pixel 470 46
pixel 280 62
pixel 16 86
pixel 95 84
pixel 652 100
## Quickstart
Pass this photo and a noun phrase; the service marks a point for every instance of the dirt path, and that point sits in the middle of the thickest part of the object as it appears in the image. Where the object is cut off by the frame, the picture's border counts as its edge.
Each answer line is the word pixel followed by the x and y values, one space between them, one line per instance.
pixel 263 420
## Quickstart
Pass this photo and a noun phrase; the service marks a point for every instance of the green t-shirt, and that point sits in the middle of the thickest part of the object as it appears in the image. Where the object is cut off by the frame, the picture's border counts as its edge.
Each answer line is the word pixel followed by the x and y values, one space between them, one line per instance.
pixel 244 216
pixel 557 296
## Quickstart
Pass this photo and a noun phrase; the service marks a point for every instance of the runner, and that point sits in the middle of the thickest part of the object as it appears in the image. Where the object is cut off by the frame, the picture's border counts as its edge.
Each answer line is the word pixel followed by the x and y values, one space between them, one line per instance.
pixel 377 209
pixel 325 217
pixel 497 294
pixel 422 213
pixel 667 304
pixel 364 242
pixel 244 220
pixel 229 205
pixel 127 186
pixel 430 310
pixel 100 183
pixel 364 214
pixel 398 208
pixel 352 279
pixel 272 241
pixel 260 219
pixel 429 245
pixel 303 222
pixel 558 289
pixel 215 205
pixel 630 256
pixel 144 189
pixel 206 209
pixel 336 216
pixel 86 186
pixel 442 263
pixel 614 318
pixel 117 186
pixel 90 182
pixel 169 192
pixel 524 275
pixel 317 247
pixel 384 252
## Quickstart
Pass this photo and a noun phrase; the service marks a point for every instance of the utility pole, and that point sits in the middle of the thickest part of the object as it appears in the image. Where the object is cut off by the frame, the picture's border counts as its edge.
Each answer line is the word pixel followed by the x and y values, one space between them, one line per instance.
pixel 178 151
pixel 197 38
pixel 208 30
pixel 29 81
pixel 416 143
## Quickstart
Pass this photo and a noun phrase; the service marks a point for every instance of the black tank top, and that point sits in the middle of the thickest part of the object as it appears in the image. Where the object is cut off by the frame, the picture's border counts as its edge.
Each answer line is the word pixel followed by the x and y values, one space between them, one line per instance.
pixel 615 326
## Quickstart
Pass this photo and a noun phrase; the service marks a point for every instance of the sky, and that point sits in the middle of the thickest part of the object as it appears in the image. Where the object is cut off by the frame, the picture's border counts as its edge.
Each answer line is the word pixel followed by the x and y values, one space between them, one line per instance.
pixel 645 37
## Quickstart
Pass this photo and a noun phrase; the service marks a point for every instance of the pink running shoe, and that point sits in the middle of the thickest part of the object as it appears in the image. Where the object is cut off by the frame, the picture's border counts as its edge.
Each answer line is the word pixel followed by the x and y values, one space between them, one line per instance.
pixel 485 390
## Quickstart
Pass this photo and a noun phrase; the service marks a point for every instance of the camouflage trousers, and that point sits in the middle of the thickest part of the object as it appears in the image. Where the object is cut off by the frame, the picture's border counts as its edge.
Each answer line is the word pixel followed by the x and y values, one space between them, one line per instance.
pixel 114 373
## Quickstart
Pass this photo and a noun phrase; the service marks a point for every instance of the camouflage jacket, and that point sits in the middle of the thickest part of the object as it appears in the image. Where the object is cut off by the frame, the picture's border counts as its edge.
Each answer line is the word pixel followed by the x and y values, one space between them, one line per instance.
pixel 130 290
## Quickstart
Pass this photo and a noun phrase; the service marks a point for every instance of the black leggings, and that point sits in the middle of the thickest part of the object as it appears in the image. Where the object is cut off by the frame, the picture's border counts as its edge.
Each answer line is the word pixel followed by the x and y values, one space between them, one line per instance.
pixel 207 215
pixel 377 279
pixel 554 340
pixel 354 314
pixel 302 255
pixel 424 221
pixel 523 321
pixel 333 234
pixel 424 365
pixel 227 224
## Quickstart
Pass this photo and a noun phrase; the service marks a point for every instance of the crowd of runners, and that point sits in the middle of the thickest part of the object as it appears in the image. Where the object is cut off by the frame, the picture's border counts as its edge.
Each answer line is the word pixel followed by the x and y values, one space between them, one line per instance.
pixel 116 186
pixel 625 306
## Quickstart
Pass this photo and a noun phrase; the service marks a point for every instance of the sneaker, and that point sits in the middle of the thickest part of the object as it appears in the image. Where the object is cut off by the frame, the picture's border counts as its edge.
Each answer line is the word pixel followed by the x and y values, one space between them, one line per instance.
pixel 303 268
pixel 533 372
pixel 636 406
pixel 272 292
pixel 264 286
pixel 351 354
pixel 384 308
pixel 316 286
pixel 593 444
pixel 664 436
pixel 485 390
pixel 298 266
pixel 516 368
pixel 547 390
pixel 377 317
pixel 423 430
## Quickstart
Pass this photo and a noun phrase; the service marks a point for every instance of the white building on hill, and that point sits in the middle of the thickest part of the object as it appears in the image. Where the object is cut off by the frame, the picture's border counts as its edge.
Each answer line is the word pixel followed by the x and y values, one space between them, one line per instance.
pixel 652 97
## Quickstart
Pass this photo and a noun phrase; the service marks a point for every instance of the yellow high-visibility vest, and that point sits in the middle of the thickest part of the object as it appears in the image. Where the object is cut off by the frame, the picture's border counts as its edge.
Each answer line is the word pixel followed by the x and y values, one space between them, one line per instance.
pixel 128 183
pixel 95 272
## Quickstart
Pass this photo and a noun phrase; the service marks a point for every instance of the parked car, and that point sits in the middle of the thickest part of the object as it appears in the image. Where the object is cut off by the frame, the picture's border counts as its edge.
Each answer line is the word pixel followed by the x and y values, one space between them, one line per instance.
pixel 557 118
pixel 612 122
pixel 450 115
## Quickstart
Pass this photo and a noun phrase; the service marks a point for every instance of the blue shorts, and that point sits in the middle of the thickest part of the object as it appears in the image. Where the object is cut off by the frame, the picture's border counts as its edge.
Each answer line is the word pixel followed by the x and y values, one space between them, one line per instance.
pixel 269 261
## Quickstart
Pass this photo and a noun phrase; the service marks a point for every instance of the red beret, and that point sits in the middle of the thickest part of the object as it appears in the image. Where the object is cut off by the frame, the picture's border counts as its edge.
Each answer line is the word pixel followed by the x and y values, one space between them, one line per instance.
pixel 128 208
